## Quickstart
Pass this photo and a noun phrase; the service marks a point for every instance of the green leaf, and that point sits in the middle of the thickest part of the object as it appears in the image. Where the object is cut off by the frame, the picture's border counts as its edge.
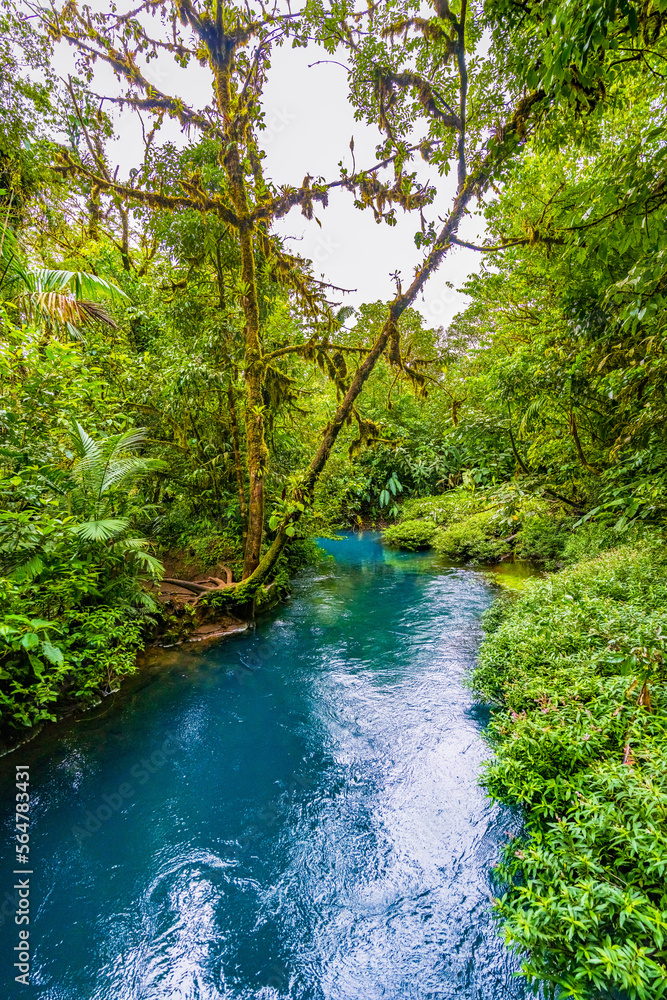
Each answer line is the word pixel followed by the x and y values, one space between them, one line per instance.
pixel 30 640
pixel 53 653
pixel 100 531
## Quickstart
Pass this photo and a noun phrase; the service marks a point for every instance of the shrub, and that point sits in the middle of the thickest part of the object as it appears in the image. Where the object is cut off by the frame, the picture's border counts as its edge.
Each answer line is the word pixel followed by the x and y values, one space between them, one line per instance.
pixel 483 526
pixel 543 538
pixel 45 664
pixel 411 535
pixel 575 667
pixel 446 508
pixel 475 539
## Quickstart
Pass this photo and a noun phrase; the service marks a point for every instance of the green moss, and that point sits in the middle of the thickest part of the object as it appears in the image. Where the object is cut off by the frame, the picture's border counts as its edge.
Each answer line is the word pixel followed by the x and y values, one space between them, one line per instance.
pixel 238 601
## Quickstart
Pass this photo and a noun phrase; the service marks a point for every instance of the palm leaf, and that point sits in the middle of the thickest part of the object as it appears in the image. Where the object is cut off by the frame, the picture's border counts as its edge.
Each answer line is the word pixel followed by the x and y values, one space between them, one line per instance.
pixel 57 297
pixel 130 440
pixel 344 314
pixel 113 448
pixel 91 286
pixel 123 471
pixel 137 546
pixel 532 413
pixel 86 286
pixel 84 445
pixel 28 570
pixel 102 530
pixel 90 456
pixel 151 564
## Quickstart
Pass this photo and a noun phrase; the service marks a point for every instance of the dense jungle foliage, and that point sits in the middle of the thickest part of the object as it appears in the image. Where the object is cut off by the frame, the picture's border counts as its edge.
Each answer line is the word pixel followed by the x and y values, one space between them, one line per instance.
pixel 178 389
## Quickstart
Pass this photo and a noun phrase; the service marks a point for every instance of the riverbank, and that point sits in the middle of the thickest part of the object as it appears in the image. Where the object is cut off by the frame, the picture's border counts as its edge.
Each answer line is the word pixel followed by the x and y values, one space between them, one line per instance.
pixel 576 669
pixel 72 660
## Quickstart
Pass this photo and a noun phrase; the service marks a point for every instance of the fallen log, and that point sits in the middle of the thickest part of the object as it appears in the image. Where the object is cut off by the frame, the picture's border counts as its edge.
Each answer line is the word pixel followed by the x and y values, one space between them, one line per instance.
pixel 203 586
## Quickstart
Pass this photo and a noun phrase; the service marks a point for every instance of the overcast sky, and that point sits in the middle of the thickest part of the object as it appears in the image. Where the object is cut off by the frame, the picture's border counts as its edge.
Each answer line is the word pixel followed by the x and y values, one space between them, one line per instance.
pixel 310 124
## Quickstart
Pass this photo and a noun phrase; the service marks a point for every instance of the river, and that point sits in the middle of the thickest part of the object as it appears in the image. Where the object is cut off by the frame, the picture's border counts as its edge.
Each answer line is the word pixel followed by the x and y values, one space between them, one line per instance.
pixel 293 813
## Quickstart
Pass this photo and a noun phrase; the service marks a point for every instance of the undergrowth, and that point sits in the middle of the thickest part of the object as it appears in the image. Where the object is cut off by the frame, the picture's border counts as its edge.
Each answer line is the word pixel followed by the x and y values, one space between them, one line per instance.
pixel 494 524
pixel 575 667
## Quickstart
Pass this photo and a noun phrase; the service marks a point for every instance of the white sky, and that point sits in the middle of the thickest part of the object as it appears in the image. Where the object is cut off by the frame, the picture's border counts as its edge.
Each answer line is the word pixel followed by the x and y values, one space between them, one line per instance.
pixel 310 122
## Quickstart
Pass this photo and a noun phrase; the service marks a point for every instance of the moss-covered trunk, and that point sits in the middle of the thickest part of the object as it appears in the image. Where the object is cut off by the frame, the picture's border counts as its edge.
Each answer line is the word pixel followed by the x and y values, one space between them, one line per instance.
pixel 256 444
pixel 238 463
pixel 256 450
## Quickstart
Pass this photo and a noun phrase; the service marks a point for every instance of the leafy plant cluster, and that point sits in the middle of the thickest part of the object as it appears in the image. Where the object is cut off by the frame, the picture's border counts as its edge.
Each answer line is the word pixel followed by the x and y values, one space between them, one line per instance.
pixel 70 558
pixel 484 526
pixel 71 661
pixel 576 669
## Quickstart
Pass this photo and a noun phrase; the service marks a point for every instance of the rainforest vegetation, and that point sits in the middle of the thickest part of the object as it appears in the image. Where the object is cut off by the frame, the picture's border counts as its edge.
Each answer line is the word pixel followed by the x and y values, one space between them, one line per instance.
pixel 176 384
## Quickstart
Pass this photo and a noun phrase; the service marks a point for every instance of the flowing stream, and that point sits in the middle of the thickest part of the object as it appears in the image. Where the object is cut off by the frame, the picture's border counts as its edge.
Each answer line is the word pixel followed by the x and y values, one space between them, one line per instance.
pixel 291 814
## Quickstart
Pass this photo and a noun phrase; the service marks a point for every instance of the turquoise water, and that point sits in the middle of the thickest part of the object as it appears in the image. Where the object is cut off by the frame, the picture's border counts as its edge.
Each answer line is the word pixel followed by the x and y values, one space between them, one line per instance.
pixel 291 814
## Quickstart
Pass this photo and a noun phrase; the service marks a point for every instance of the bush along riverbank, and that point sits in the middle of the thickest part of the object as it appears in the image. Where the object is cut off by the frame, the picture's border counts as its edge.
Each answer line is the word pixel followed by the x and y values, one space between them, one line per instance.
pixel 490 525
pixel 575 667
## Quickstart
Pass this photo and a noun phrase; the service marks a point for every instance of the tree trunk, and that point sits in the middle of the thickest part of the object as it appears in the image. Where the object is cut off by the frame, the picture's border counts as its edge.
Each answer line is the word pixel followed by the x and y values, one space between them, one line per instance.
pixel 577 442
pixel 238 464
pixel 257 451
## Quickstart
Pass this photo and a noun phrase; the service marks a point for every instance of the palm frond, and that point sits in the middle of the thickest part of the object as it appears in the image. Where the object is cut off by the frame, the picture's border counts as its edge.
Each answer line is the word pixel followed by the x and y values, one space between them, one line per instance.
pixel 90 286
pixel 344 314
pixel 54 306
pixel 102 530
pixel 75 333
pixel 145 559
pixel 145 600
pixel 80 284
pixel 95 311
pixel 56 296
pixel 11 265
pixel 129 441
pixel 102 474
pixel 131 544
pixel 124 470
pixel 151 564
pixel 532 412
pixel 84 445
pixel 113 447
pixel 28 570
